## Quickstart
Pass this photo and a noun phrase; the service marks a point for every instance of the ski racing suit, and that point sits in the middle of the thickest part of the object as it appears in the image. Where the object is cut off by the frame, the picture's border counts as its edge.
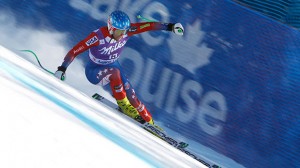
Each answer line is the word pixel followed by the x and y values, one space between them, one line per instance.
pixel 103 66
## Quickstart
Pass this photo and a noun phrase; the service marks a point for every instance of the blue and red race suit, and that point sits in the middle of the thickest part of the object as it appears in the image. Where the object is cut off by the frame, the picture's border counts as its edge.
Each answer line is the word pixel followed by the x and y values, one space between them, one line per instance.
pixel 104 52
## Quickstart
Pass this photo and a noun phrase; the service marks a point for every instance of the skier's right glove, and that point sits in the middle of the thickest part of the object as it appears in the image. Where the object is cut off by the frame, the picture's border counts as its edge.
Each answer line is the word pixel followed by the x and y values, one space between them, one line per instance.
pixel 60 73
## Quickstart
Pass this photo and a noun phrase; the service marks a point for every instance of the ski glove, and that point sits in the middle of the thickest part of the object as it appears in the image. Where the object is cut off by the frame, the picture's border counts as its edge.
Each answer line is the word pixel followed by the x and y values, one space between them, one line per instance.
pixel 60 73
pixel 178 29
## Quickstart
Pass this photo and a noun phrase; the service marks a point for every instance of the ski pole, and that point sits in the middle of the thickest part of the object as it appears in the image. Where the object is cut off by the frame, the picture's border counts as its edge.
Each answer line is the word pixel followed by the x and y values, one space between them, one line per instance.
pixel 145 19
pixel 36 57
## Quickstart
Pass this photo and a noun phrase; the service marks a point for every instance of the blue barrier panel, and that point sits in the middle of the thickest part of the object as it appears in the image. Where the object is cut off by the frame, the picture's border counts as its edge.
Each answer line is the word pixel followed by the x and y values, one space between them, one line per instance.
pixel 230 83
pixel 258 73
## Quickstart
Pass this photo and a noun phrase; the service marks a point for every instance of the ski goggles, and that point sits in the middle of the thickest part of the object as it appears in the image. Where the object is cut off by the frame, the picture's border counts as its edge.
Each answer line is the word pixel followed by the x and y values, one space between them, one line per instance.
pixel 119 32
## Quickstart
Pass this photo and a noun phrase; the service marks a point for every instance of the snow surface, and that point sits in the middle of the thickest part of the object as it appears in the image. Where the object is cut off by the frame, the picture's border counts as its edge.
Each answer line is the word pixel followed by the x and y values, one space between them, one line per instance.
pixel 45 123
pixel 35 134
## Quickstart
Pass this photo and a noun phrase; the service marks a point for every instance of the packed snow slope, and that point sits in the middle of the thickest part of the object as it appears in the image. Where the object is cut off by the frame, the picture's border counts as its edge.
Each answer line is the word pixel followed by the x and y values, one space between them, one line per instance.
pixel 228 87
pixel 46 123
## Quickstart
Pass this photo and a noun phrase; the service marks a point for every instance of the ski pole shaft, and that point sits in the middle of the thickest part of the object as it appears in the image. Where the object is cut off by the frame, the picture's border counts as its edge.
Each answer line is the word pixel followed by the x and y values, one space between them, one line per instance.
pixel 36 57
pixel 145 19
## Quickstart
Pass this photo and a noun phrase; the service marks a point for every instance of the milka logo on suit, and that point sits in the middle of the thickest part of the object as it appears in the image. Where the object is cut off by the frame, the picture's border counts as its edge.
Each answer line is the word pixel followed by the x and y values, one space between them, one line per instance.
pixel 112 48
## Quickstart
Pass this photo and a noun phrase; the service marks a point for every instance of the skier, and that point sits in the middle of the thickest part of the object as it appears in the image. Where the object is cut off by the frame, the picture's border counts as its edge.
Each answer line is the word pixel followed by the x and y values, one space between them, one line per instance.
pixel 105 46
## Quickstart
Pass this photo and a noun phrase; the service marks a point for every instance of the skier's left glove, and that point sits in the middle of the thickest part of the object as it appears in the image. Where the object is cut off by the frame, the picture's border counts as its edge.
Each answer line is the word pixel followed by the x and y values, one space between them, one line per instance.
pixel 60 73
pixel 178 29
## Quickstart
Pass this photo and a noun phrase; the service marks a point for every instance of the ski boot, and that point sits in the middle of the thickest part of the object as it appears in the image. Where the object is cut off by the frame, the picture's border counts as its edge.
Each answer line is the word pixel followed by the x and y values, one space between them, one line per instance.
pixel 127 108
pixel 132 112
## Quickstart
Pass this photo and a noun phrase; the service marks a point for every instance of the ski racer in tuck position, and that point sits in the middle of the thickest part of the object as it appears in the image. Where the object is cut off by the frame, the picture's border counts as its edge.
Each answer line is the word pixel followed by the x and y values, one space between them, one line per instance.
pixel 105 46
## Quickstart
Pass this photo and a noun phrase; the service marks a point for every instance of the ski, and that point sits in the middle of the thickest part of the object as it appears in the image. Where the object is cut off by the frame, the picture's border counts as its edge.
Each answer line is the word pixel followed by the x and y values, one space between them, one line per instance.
pixel 158 132
pixel 153 129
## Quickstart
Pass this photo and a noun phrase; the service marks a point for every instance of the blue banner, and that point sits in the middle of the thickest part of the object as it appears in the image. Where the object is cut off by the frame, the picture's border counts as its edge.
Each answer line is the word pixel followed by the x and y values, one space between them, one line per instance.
pixel 231 83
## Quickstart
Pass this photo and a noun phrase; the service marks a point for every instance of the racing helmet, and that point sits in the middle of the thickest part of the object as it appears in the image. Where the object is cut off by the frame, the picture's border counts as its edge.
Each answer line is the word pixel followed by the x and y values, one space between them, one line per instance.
pixel 118 20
